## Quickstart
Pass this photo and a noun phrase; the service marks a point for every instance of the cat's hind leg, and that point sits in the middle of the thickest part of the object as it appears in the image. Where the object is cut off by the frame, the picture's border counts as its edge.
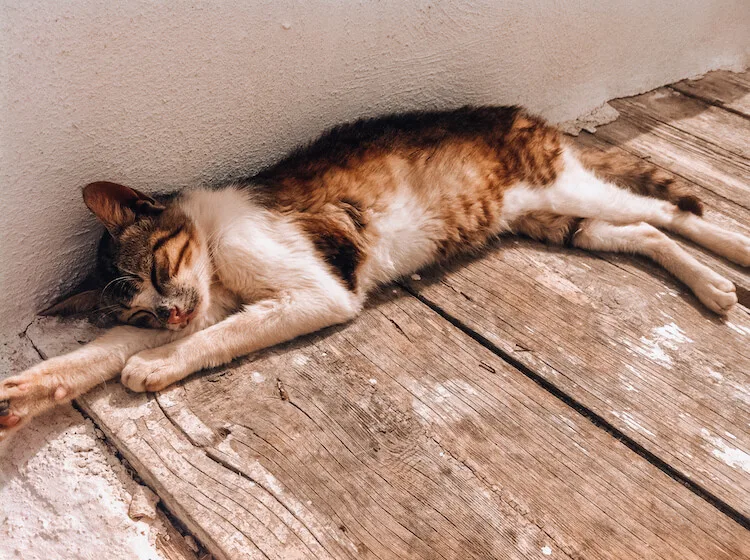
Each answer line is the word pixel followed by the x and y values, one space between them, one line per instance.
pixel 579 192
pixel 716 292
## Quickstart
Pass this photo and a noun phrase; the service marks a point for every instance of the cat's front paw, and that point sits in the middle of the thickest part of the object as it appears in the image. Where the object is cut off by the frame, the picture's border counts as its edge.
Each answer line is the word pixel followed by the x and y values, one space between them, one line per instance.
pixel 28 394
pixel 152 370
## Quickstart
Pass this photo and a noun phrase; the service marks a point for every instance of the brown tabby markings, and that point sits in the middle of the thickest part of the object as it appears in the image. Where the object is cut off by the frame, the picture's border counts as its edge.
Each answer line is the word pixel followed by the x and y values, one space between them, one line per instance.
pixel 170 249
pixel 640 177
pixel 325 186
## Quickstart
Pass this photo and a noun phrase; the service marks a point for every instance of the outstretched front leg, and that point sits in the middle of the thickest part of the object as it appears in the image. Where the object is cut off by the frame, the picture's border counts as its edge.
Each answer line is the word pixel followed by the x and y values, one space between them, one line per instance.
pixel 259 325
pixel 61 379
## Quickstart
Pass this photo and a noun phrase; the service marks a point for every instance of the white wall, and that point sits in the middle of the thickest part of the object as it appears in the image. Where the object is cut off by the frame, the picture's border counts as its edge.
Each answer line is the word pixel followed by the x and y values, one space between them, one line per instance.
pixel 162 94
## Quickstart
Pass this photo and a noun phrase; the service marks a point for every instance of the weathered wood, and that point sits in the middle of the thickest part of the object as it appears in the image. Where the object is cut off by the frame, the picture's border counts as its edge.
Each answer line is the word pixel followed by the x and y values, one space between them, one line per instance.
pixel 397 436
pixel 713 125
pixel 171 545
pixel 199 491
pixel 725 89
pixel 638 350
pixel 717 209
pixel 706 164
pixel 22 354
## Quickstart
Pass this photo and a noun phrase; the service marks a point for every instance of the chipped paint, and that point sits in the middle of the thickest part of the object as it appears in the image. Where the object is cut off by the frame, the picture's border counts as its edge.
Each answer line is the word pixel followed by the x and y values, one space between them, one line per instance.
pixel 547 551
pixel 672 335
pixel 732 456
pixel 632 423
pixel 258 377
pixel 715 375
pixel 669 336
pixel 634 371
pixel 627 383
pixel 744 331
pixel 652 350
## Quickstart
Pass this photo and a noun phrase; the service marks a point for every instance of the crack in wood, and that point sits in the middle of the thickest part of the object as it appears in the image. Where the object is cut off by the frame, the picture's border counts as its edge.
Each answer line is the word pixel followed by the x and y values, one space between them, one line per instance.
pixel 515 506
pixel 399 329
pixel 283 395
pixel 595 418
pixel 216 456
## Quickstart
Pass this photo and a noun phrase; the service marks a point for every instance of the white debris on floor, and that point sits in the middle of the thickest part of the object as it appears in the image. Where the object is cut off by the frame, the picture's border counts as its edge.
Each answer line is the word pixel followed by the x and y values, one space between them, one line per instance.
pixel 63 493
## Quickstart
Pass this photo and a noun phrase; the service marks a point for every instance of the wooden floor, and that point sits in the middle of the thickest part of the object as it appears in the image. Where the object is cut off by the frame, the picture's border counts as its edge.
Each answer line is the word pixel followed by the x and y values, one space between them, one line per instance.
pixel 534 403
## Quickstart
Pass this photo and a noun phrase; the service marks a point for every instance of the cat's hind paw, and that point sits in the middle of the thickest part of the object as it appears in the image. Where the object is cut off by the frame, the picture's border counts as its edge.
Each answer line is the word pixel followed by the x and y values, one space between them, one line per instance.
pixel 718 294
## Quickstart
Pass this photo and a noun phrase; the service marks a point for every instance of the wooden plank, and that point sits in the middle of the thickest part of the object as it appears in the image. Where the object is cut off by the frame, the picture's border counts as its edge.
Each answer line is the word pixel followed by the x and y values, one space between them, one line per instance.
pixel 712 125
pixel 730 90
pixel 708 165
pixel 717 209
pixel 200 492
pixel 397 436
pixel 172 545
pixel 20 354
pixel 638 350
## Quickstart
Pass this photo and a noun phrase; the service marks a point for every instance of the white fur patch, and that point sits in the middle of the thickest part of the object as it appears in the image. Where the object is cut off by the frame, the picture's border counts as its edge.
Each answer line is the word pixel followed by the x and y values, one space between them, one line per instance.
pixel 407 233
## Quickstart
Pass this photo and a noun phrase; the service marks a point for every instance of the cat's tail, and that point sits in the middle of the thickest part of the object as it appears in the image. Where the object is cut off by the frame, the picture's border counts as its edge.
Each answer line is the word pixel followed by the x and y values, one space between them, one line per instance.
pixel 640 177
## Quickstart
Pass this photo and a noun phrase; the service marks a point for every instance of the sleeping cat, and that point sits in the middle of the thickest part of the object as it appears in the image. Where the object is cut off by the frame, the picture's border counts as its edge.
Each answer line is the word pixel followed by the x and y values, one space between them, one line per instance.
pixel 214 274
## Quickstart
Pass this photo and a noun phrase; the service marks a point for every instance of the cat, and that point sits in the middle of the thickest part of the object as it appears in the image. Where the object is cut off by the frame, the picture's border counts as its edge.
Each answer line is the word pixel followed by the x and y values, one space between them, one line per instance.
pixel 207 275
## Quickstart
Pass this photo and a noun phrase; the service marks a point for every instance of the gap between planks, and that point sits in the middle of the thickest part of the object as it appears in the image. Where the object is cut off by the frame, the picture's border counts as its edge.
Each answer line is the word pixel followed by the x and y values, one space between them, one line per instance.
pixel 595 418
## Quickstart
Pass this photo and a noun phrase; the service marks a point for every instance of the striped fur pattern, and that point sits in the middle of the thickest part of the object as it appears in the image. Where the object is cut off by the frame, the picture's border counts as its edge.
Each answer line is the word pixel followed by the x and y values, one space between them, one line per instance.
pixel 219 273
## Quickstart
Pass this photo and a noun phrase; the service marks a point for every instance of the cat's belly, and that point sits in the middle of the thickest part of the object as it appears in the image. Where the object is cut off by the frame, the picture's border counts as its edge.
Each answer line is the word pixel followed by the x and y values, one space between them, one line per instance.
pixel 406 238
pixel 415 231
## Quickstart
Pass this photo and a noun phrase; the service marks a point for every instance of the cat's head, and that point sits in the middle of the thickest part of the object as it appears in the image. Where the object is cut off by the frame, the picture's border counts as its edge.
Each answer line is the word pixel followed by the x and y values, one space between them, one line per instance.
pixel 152 266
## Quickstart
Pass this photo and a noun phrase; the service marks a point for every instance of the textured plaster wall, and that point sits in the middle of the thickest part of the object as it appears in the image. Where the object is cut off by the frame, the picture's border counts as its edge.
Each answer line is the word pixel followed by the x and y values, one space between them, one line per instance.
pixel 162 94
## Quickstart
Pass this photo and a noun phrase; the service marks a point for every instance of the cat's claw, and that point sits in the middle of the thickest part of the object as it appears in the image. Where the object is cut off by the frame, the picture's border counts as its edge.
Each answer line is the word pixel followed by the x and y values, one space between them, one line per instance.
pixel 7 420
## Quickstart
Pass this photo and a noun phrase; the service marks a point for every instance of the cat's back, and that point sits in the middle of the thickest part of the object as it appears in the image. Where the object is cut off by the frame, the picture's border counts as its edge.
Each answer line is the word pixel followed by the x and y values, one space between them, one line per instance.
pixel 351 144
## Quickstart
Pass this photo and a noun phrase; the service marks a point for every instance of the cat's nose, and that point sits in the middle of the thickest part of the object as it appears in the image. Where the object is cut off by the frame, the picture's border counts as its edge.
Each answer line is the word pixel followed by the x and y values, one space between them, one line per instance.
pixel 177 316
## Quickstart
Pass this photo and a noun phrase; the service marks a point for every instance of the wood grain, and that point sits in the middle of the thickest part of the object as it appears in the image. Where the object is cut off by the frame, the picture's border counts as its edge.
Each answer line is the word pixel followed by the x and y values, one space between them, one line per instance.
pixel 700 120
pixel 638 350
pixel 725 89
pixel 399 437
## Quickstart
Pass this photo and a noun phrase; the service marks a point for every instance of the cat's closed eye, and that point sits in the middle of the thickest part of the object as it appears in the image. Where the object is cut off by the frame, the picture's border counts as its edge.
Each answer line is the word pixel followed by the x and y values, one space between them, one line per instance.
pixel 143 318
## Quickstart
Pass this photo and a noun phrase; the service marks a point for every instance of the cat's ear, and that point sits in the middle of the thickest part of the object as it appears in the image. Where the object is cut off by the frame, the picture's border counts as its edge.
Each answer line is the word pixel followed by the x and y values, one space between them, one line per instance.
pixel 78 302
pixel 118 206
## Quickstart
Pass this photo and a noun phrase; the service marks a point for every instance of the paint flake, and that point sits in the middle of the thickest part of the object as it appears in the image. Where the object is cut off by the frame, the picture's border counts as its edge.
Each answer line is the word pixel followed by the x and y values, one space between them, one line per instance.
pixel 732 456
pixel 669 336
pixel 632 423
pixel 744 331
